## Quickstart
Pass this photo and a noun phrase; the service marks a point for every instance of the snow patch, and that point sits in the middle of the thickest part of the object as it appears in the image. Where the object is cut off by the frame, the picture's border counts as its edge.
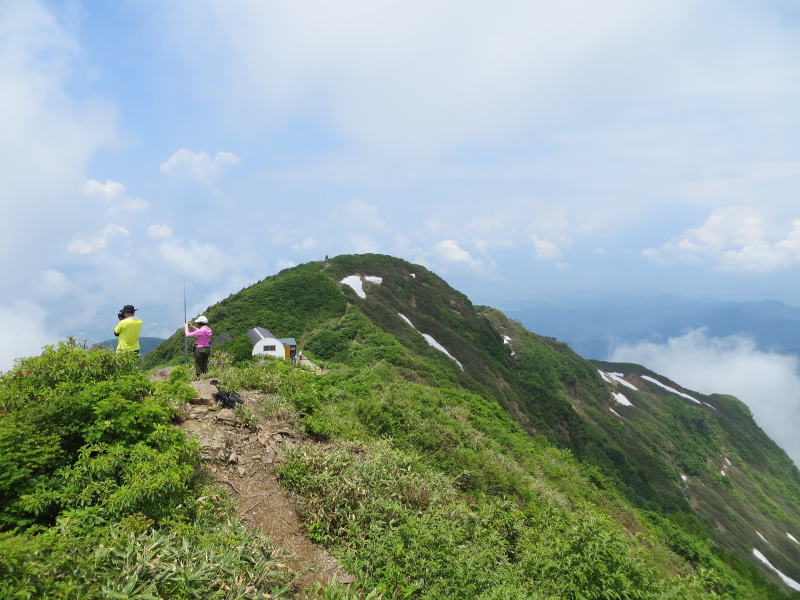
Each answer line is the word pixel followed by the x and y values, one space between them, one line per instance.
pixel 354 281
pixel 506 339
pixel 709 406
pixel 434 344
pixel 722 473
pixel 758 533
pixel 618 377
pixel 604 376
pixel 406 319
pixel 374 279
pixel 414 275
pixel 684 477
pixel 728 462
pixel 787 580
pixel 670 389
pixel 791 537
pixel 621 399
pixel 613 412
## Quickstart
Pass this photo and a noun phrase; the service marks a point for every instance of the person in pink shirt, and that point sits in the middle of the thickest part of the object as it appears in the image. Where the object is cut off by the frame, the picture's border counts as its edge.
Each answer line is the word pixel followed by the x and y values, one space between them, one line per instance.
pixel 202 343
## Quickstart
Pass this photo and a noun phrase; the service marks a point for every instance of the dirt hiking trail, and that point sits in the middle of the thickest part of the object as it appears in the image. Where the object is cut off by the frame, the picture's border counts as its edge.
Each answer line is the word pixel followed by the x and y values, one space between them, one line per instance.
pixel 244 461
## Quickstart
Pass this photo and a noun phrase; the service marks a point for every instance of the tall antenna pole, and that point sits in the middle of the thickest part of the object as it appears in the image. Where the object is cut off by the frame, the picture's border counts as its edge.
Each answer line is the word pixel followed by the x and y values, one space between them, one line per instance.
pixel 185 339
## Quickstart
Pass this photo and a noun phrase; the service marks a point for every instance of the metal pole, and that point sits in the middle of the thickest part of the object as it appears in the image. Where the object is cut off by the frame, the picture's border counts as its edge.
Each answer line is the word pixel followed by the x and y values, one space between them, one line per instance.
pixel 185 339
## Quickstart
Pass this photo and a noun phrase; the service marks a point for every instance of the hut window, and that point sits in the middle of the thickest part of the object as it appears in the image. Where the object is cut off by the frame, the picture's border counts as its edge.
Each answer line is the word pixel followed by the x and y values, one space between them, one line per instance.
pixel 269 348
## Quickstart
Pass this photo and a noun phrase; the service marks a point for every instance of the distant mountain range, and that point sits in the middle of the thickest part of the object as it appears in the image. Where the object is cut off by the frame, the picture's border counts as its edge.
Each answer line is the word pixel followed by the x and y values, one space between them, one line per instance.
pixel 146 344
pixel 594 331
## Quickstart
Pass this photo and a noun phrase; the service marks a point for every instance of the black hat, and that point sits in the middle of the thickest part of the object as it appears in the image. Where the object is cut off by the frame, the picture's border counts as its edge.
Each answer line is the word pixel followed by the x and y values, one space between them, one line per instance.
pixel 128 308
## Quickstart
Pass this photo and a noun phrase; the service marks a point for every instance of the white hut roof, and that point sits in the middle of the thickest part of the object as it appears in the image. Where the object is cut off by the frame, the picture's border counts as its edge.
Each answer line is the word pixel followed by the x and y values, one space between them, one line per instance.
pixel 259 333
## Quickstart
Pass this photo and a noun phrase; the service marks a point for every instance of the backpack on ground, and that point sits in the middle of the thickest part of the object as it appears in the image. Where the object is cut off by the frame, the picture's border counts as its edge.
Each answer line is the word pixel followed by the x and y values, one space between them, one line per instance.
pixel 228 399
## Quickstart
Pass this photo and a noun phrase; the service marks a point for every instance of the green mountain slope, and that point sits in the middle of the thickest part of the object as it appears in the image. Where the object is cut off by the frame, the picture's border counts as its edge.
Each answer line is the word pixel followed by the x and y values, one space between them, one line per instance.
pixel 550 393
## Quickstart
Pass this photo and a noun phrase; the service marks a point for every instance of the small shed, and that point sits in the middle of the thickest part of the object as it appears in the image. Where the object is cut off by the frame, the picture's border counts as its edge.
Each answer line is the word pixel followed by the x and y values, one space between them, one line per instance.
pixel 266 344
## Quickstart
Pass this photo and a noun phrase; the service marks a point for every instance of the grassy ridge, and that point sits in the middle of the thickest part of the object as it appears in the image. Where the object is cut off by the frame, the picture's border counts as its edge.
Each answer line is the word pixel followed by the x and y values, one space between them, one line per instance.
pixel 436 493
pixel 549 391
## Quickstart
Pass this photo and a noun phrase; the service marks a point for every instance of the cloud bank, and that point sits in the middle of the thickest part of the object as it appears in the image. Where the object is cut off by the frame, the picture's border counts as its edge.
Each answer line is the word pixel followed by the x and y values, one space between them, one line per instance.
pixel 767 382
pixel 736 238
pixel 24 332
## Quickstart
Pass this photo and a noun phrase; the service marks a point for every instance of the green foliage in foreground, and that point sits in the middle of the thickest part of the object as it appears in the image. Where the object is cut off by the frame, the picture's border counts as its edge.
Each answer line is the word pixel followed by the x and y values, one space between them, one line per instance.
pixel 99 494
pixel 412 534
pixel 433 492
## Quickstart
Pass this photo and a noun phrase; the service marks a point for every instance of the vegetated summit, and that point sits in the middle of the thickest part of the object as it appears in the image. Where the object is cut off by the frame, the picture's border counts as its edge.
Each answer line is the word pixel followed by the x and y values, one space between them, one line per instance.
pixel 697 466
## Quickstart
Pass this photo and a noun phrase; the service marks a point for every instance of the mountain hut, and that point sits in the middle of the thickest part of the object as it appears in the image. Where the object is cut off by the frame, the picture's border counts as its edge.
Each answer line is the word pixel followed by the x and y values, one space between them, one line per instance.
pixel 266 344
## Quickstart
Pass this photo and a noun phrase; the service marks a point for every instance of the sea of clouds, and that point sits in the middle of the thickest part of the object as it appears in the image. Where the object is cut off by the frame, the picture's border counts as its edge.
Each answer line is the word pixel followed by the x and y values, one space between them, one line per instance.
pixel 768 382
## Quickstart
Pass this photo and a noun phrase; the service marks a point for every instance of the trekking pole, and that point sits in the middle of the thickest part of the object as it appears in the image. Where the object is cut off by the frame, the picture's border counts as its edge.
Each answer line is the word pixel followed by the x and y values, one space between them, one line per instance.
pixel 185 339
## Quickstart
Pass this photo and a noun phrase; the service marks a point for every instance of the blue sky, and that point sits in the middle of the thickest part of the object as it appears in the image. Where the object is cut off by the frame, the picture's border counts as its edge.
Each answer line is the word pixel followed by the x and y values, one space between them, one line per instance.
pixel 521 150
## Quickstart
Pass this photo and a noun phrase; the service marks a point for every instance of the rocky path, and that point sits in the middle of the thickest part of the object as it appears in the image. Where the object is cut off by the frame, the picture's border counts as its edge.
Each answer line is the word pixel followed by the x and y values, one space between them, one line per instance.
pixel 245 461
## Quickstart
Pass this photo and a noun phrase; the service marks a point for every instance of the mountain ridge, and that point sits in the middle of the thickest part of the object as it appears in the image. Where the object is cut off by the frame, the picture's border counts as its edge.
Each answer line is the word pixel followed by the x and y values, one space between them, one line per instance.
pixel 545 387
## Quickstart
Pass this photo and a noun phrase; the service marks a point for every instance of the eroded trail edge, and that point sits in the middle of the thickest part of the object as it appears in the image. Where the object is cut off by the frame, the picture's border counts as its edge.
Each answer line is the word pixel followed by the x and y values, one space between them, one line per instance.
pixel 244 460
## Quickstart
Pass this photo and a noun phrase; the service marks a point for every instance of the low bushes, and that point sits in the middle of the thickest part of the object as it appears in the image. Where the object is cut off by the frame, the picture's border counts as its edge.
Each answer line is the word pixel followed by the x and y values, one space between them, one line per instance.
pixel 100 496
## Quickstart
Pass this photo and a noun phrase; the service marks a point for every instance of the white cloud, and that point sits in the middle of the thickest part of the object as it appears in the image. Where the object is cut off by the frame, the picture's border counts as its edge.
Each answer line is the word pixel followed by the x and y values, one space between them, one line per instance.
pixel 450 251
pixel 48 138
pixel 285 264
pixel 362 215
pixel 546 250
pixel 159 232
pixel 750 183
pixel 98 242
pixel 113 193
pixel 24 332
pixel 203 262
pixel 199 165
pixel 767 382
pixel 497 69
pixel 54 284
pixel 736 238
pixel 307 244
pixel 110 190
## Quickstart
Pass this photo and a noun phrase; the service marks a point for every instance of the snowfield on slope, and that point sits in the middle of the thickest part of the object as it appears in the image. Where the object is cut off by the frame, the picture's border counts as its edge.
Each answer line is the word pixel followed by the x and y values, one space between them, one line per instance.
pixel 354 281
pixel 621 399
pixel 406 319
pixel 787 580
pixel 618 377
pixel 670 389
pixel 432 342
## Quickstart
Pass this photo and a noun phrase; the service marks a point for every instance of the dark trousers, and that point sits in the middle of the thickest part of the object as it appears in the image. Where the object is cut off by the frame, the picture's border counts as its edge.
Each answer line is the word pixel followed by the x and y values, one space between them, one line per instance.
pixel 201 360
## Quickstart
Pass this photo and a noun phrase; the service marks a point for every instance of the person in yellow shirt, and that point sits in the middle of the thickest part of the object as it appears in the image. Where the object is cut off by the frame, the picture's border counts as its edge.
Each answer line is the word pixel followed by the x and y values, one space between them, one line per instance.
pixel 127 330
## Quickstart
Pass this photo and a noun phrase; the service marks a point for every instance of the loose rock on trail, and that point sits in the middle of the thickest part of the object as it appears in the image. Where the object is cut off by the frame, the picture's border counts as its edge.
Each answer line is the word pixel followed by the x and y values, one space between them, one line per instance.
pixel 244 461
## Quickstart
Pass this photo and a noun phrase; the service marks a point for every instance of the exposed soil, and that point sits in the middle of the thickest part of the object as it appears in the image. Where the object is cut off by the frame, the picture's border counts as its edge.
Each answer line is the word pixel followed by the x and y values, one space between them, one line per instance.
pixel 245 461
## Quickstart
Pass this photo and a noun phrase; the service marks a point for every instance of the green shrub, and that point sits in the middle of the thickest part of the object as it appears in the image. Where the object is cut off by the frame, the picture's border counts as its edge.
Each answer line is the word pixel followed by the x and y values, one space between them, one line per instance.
pixel 212 556
pixel 99 494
